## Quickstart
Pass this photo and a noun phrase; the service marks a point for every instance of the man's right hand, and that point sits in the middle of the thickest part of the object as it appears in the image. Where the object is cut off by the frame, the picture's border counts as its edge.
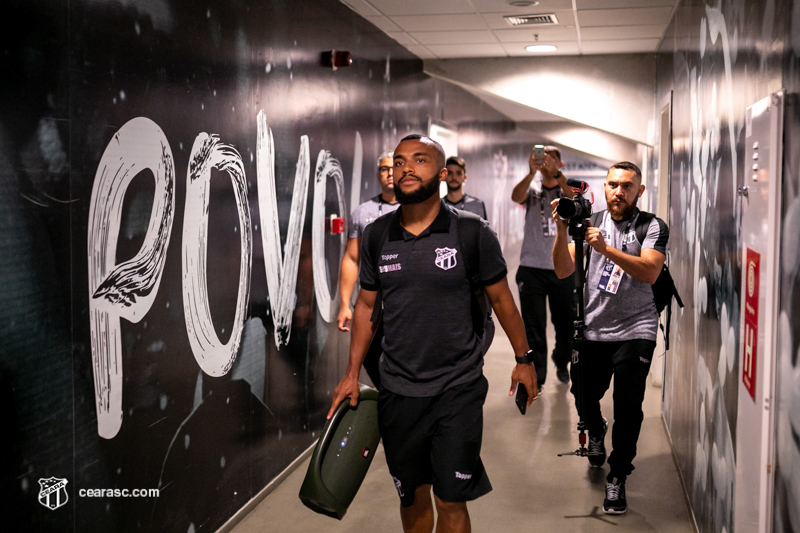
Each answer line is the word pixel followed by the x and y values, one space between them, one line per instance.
pixel 345 316
pixel 347 388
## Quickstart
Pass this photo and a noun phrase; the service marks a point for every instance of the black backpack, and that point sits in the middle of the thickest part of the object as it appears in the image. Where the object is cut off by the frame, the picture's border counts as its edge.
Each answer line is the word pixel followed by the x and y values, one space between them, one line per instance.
pixel 664 287
pixel 468 230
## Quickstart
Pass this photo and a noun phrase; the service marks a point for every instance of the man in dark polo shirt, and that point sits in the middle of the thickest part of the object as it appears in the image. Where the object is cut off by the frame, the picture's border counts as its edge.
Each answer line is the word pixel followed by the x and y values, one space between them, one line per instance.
pixel 456 197
pixel 430 409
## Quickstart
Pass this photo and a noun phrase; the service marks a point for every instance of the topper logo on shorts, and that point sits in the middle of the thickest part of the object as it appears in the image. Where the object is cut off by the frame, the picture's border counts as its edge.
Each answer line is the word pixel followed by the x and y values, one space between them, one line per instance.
pixel 459 475
pixel 446 258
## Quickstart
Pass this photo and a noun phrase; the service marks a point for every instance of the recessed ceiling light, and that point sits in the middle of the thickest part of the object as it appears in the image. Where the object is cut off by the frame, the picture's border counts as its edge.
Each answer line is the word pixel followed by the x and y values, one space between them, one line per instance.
pixel 541 48
pixel 522 3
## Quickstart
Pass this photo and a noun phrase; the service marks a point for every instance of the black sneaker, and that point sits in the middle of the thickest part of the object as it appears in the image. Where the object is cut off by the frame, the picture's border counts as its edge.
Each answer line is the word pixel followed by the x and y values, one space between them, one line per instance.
pixel 563 375
pixel 597 447
pixel 615 502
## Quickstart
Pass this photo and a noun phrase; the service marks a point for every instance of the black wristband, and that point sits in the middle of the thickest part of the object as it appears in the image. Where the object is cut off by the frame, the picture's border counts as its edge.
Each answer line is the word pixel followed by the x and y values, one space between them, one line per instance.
pixel 524 359
pixel 558 175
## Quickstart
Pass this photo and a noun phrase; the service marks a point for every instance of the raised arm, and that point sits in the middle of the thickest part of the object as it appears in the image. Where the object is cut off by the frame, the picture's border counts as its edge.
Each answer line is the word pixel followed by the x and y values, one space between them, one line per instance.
pixel 520 192
pixel 563 250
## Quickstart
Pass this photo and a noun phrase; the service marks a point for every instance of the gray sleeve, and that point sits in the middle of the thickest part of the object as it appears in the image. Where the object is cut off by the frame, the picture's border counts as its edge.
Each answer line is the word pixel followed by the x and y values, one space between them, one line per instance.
pixel 355 225
pixel 657 236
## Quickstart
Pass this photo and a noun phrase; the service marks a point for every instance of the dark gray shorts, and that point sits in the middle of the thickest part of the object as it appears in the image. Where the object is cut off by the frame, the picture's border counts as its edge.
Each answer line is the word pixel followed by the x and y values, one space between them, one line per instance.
pixel 436 440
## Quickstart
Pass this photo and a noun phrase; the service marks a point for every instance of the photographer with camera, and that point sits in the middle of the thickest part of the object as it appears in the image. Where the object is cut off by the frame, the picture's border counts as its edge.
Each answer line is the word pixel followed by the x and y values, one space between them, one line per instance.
pixel 536 279
pixel 621 321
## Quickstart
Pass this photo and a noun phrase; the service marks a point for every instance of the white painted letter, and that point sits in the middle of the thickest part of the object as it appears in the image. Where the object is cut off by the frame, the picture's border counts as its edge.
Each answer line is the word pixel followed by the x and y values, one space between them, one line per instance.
pixel 213 356
pixel 281 267
pixel 126 290
pixel 326 166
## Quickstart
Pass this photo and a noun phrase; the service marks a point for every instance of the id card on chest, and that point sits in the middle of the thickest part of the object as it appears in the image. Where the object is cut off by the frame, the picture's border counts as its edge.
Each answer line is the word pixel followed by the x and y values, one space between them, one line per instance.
pixel 610 278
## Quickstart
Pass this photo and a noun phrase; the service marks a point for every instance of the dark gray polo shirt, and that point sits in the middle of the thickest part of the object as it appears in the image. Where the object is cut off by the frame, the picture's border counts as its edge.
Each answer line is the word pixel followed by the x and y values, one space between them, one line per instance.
pixel 429 342
pixel 471 204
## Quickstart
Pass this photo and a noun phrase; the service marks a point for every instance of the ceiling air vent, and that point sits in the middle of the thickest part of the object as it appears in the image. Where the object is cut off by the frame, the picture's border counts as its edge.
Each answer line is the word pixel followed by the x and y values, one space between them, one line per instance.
pixel 547 19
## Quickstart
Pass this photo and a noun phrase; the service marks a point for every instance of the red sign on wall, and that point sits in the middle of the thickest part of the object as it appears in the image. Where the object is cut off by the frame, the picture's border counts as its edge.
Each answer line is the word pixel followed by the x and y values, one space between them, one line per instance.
pixel 750 310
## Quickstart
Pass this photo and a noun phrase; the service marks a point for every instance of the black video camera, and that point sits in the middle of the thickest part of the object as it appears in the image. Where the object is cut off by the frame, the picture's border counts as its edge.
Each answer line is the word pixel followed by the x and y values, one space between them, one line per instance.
pixel 578 207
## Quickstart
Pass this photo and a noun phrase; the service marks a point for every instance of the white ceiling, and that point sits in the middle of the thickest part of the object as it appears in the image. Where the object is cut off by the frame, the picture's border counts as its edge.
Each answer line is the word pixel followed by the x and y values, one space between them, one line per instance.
pixel 446 29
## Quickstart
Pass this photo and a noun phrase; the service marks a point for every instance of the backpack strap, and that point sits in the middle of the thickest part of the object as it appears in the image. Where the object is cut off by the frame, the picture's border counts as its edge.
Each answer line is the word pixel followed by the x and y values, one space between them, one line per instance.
pixel 378 234
pixel 642 224
pixel 468 228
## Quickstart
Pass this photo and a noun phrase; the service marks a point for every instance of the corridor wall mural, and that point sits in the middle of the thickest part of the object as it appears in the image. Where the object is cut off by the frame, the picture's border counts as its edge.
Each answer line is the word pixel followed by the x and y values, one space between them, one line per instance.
pixel 170 291
pixel 718 58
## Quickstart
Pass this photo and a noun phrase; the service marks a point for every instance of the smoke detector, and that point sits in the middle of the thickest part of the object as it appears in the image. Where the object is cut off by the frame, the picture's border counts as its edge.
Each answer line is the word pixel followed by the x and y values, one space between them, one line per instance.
pixel 522 3
pixel 545 19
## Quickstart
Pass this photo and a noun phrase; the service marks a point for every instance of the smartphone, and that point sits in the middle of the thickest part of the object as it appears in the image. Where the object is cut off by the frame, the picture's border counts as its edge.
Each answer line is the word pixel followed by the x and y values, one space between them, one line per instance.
pixel 522 398
pixel 538 151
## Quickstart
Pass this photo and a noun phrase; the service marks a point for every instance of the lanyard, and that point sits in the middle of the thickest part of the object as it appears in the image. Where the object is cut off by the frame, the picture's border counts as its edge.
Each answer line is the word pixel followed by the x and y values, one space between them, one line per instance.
pixel 625 234
pixel 541 199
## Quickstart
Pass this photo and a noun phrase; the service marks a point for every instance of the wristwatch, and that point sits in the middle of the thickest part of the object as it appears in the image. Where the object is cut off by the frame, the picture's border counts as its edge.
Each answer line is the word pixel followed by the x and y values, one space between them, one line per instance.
pixel 525 359
pixel 558 175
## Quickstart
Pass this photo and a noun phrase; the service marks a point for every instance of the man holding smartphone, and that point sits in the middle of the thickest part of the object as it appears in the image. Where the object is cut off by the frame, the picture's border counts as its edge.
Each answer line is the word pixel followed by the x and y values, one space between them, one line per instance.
pixel 536 279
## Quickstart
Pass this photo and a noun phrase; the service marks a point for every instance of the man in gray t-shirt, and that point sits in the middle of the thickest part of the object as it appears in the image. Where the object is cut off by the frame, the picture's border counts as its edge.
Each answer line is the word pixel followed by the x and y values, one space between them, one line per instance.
pixel 362 216
pixel 456 197
pixel 621 322
pixel 536 281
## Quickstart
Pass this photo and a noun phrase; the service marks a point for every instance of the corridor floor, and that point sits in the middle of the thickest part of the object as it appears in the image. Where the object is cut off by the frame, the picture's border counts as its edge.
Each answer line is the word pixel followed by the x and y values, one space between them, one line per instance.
pixel 534 489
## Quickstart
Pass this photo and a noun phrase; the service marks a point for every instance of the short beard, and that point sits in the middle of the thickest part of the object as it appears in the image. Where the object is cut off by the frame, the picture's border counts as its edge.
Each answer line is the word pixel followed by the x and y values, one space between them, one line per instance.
pixel 624 212
pixel 418 196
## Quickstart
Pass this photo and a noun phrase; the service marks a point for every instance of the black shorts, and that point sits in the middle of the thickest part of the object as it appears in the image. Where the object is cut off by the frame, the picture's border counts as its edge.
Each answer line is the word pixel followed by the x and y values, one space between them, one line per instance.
pixel 436 440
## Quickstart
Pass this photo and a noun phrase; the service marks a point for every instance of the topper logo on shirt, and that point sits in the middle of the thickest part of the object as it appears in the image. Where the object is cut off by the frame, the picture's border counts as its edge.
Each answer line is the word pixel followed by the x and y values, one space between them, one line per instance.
pixel 446 258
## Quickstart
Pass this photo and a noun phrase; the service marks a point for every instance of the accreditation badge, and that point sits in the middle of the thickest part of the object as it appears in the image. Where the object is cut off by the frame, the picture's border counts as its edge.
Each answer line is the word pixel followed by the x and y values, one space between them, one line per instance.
pixel 610 278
